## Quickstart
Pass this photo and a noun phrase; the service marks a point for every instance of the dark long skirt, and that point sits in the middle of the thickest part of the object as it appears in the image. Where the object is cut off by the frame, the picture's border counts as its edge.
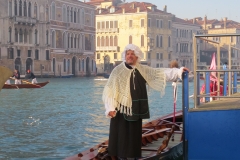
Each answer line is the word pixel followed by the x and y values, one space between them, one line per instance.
pixel 125 137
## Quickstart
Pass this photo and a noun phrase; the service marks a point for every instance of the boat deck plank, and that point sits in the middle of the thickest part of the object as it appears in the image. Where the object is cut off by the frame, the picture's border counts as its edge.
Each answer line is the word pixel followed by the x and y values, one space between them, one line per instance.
pixel 222 104
pixel 156 144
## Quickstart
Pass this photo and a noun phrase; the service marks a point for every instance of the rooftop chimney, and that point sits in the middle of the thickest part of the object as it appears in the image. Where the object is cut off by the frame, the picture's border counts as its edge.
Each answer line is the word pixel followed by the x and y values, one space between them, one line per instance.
pixel 123 10
pixel 225 22
pixel 138 9
pixel 205 22
pixel 165 8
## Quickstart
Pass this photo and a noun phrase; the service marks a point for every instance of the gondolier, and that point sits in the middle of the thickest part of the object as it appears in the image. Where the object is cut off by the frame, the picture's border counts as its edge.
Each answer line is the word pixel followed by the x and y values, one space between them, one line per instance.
pixel 30 75
pixel 126 101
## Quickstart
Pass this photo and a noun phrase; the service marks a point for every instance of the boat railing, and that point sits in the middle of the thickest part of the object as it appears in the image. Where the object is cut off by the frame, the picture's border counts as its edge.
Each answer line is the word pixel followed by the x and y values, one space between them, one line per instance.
pixel 222 90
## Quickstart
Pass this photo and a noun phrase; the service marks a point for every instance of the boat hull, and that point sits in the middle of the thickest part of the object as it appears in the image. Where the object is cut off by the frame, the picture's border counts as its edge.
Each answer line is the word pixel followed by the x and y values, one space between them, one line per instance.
pixel 159 131
pixel 21 86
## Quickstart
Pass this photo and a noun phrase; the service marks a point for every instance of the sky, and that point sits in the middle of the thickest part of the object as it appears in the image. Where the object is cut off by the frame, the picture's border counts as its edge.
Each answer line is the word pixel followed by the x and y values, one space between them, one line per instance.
pixel 213 9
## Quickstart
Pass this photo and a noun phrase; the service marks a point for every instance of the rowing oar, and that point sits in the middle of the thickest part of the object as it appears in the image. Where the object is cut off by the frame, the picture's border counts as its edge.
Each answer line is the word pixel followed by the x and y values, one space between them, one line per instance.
pixel 31 83
pixel 5 74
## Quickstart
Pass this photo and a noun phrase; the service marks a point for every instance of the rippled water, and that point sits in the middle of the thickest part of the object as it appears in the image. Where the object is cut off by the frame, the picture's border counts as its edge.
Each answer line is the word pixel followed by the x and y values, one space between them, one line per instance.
pixel 62 119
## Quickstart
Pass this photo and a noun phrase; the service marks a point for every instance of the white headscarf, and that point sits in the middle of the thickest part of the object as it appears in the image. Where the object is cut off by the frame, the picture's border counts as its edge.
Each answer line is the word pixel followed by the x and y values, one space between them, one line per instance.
pixel 136 49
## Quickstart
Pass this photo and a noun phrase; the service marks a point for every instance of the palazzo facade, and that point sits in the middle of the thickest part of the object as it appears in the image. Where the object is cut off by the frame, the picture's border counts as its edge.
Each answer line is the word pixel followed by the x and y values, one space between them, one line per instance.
pixel 49 37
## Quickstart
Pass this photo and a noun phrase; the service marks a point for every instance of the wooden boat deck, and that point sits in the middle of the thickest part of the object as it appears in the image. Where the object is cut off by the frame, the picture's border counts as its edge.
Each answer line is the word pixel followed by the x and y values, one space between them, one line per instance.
pixel 153 147
pixel 222 104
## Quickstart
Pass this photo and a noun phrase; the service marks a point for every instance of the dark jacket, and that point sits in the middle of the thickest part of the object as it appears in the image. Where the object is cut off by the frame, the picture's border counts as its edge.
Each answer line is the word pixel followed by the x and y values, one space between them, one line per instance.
pixel 30 75
pixel 139 97
pixel 16 75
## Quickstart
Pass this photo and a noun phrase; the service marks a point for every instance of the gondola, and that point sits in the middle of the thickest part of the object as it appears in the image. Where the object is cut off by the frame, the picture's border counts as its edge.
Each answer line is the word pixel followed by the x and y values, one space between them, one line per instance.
pixel 161 140
pixel 24 85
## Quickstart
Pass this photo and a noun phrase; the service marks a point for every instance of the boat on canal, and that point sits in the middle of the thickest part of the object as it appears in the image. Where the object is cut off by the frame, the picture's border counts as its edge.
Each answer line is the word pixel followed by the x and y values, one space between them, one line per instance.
pixel 161 139
pixel 24 85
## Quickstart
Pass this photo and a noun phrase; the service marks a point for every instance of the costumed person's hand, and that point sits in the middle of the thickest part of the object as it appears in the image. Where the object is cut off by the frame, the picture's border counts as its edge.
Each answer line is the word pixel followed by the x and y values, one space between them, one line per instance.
pixel 112 114
pixel 186 69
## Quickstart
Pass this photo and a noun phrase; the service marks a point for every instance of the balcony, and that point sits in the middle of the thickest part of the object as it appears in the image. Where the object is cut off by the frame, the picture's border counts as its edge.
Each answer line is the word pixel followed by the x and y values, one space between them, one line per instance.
pixel 75 26
pixel 184 54
pixel 202 63
pixel 75 50
pixel 109 48
pixel 25 20
pixel 107 30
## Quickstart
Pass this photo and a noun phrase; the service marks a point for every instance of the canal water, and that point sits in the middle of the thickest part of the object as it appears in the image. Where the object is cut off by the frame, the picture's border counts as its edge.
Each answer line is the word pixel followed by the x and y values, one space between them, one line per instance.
pixel 63 118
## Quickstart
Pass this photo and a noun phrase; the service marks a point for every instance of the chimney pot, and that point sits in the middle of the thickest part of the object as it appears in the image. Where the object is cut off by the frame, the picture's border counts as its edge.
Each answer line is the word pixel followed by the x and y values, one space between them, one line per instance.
pixel 123 10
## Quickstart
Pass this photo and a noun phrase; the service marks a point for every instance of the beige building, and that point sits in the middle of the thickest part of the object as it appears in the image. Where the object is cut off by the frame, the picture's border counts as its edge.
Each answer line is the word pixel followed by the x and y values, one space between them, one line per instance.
pixel 223 26
pixel 139 23
pixel 182 33
pixel 50 37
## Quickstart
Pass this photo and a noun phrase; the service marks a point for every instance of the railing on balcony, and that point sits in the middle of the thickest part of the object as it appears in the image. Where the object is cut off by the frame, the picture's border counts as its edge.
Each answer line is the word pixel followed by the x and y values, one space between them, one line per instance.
pixel 75 50
pixel 75 26
pixel 108 30
pixel 109 48
pixel 202 63
pixel 25 20
pixel 185 54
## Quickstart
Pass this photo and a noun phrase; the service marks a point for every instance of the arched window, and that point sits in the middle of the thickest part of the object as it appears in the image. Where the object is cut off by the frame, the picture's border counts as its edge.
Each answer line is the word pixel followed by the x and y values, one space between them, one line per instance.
pixel 20 8
pixel 83 17
pixel 64 16
pixel 25 8
pixel 29 9
pixel 71 15
pixel 69 38
pixel 47 36
pixel 107 41
pixel 68 14
pixel 68 65
pixel 64 65
pixel 157 41
pixel 75 16
pixel 36 36
pixel 47 13
pixel 53 11
pixel 20 36
pixel 98 41
pixel 111 40
pixel 79 16
pixel 169 41
pixel 10 34
pixel 35 10
pixel 53 39
pixel 15 8
pixel 130 39
pixel 16 35
pixel 102 41
pixel 25 36
pixel 10 8
pixel 79 65
pixel 30 37
pixel 83 65
pixel 83 42
pixel 161 41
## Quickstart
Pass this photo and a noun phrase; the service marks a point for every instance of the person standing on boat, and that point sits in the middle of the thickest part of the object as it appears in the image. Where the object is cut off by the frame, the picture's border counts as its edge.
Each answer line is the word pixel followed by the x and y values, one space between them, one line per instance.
pixel 16 76
pixel 30 75
pixel 126 101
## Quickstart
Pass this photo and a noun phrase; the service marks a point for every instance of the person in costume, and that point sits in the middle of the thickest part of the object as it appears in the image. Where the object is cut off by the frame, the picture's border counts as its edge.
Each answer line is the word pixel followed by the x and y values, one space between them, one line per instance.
pixel 126 101
pixel 30 75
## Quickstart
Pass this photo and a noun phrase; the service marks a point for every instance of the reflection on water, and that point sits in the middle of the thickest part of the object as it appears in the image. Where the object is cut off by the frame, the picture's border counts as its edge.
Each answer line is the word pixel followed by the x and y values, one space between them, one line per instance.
pixel 61 119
